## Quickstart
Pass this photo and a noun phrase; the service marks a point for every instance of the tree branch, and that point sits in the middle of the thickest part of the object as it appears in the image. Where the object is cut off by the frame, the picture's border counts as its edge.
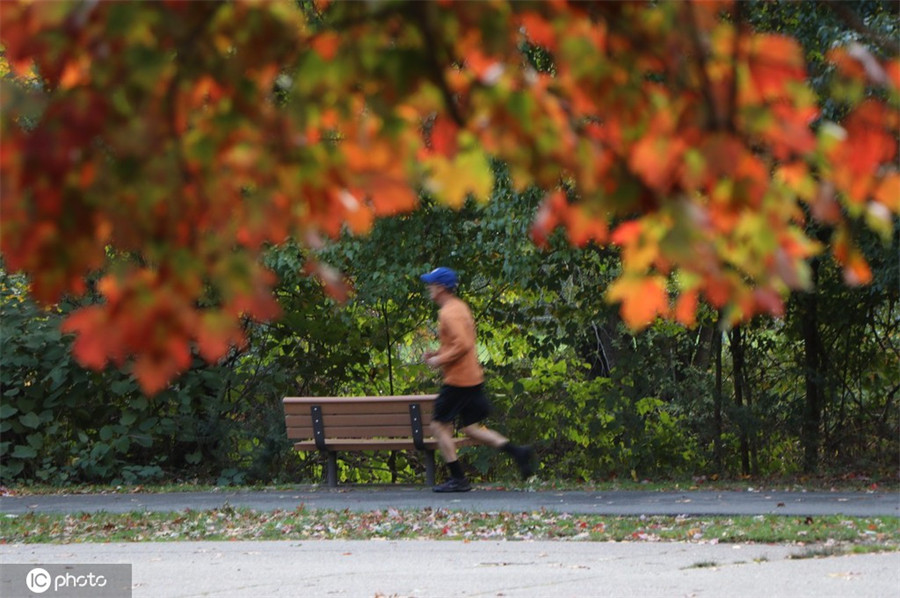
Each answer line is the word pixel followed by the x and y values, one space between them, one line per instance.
pixel 705 83
pixel 850 18
pixel 739 25
pixel 422 13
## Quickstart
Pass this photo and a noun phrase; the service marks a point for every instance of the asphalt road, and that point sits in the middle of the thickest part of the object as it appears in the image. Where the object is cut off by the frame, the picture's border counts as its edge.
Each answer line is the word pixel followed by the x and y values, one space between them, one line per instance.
pixel 365 498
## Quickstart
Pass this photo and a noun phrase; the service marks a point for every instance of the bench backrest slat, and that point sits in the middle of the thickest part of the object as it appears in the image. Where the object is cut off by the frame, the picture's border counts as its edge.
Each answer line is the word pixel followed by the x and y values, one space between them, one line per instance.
pixel 356 417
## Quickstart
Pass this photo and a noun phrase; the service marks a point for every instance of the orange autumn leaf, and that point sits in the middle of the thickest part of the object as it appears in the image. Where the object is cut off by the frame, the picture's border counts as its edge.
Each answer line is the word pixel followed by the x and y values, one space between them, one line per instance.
pixel 857 270
pixel 642 299
pixel 334 283
pixel 888 192
pixel 657 160
pixel 627 232
pixel 583 227
pixel 216 335
pixel 487 68
pixel 326 45
pixel 686 308
pixel 391 195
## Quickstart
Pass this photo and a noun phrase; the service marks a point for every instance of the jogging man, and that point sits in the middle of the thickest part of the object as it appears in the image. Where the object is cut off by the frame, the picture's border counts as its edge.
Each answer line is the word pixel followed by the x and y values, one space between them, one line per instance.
pixel 462 395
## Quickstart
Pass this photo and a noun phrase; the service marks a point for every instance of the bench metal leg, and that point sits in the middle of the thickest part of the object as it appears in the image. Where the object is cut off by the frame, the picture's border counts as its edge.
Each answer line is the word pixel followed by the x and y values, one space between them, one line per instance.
pixel 331 469
pixel 429 468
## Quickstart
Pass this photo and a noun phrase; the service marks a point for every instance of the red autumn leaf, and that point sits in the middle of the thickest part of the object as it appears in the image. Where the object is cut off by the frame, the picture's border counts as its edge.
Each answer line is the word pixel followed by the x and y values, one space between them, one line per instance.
pixel 155 370
pixel 551 213
pixel 846 65
pixel 326 44
pixel 776 61
pixel 91 347
pixel 718 289
pixel 443 137
pixel 892 68
pixel 868 143
pixel 768 301
pixel 538 30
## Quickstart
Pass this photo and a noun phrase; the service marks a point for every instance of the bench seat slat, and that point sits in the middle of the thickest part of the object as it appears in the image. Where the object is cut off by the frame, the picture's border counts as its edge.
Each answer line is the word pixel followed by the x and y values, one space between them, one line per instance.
pixel 380 419
pixel 396 431
pixel 374 444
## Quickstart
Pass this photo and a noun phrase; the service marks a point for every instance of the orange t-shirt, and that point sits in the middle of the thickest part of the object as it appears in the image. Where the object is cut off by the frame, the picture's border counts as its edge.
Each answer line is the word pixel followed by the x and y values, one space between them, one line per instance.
pixel 457 354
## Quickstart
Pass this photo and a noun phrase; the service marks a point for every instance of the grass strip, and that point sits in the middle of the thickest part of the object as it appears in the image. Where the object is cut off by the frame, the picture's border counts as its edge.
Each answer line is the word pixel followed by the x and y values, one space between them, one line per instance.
pixel 838 533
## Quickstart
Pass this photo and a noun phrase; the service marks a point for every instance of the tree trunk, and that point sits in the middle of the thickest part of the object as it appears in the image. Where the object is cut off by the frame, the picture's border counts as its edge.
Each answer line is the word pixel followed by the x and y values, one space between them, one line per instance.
pixel 737 359
pixel 810 432
pixel 389 347
pixel 717 401
pixel 706 339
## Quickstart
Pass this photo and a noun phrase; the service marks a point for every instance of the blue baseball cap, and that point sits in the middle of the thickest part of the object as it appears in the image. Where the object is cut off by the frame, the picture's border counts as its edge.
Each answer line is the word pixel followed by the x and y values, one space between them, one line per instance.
pixel 442 276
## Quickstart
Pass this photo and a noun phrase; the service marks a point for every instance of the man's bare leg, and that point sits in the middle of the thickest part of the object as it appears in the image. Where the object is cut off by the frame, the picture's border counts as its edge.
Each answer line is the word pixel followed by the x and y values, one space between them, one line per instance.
pixel 443 433
pixel 485 435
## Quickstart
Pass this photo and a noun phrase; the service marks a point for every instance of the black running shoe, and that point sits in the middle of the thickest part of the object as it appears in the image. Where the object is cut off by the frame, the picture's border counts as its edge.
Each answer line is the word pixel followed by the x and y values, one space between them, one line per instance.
pixel 454 485
pixel 525 460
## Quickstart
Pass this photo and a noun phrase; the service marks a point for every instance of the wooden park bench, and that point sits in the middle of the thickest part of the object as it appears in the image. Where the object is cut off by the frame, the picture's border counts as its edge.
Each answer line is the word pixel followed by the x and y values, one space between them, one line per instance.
pixel 338 424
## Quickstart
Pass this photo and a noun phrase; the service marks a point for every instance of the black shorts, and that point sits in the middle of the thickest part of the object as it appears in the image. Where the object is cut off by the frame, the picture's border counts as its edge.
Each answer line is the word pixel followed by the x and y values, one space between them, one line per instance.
pixel 468 403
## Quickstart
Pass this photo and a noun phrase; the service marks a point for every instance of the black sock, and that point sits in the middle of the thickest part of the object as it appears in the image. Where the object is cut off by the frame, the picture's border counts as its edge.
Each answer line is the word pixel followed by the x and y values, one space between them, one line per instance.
pixel 456 469
pixel 511 449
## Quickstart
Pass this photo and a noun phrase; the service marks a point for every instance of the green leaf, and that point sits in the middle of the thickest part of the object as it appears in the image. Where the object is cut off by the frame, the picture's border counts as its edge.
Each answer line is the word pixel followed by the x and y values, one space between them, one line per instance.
pixel 11 469
pixel 106 432
pixel 7 410
pixel 122 444
pixel 24 452
pixel 30 420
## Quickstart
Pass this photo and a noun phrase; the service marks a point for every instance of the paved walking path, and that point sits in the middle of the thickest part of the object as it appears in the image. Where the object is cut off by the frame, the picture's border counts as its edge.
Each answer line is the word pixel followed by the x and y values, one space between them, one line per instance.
pixel 449 569
pixel 442 569
pixel 366 498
